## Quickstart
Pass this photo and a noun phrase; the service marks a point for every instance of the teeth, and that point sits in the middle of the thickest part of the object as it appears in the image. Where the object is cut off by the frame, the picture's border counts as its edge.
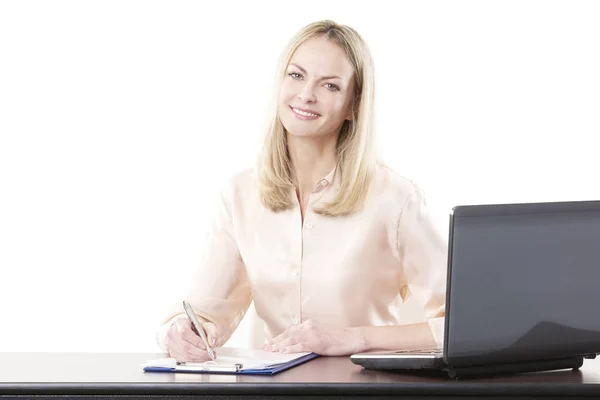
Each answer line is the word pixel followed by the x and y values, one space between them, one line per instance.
pixel 306 114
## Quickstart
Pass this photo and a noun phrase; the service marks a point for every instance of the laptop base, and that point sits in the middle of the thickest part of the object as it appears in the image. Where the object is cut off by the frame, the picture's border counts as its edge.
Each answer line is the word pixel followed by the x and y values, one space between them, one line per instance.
pixel 523 367
pixel 391 360
pixel 414 364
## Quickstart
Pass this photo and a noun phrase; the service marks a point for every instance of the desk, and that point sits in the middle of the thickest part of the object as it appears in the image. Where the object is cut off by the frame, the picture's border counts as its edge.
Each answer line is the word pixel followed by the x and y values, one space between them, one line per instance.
pixel 85 375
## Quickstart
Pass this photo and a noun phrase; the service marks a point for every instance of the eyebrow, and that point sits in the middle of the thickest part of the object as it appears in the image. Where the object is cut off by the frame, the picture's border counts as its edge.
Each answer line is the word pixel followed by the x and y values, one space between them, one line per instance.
pixel 325 77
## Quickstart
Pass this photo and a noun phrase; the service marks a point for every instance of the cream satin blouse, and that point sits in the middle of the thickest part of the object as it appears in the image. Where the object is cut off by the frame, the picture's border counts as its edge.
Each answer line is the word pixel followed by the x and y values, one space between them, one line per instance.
pixel 384 265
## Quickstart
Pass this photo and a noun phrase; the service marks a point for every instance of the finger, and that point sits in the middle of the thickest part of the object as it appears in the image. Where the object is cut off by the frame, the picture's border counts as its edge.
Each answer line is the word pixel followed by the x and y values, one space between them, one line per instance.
pixel 285 334
pixel 211 332
pixel 186 340
pixel 282 336
pixel 184 346
pixel 182 334
pixel 181 356
pixel 296 348
pixel 183 353
pixel 184 330
pixel 193 339
pixel 284 343
pixel 192 356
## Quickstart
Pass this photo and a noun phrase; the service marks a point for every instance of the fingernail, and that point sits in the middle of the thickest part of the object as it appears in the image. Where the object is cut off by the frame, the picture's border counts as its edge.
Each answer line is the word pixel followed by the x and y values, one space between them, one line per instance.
pixel 213 341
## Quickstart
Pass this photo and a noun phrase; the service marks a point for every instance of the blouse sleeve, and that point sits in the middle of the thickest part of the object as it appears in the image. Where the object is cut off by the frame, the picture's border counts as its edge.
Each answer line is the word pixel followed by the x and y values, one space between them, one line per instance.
pixel 423 254
pixel 220 292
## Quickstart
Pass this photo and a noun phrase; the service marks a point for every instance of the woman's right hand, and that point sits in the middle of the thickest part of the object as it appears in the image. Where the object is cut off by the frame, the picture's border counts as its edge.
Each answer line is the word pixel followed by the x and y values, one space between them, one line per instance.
pixel 185 345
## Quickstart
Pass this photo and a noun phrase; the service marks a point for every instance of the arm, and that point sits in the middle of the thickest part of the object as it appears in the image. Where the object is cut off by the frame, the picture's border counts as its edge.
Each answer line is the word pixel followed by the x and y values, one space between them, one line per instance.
pixel 423 255
pixel 396 337
pixel 220 292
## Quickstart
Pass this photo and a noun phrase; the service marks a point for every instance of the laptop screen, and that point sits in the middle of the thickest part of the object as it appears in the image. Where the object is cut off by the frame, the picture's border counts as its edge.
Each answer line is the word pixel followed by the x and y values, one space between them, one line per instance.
pixel 525 283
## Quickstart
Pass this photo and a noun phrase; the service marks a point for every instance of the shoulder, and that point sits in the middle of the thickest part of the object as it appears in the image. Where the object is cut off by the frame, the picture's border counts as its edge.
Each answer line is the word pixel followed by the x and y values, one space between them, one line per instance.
pixel 242 180
pixel 239 186
pixel 390 185
pixel 404 202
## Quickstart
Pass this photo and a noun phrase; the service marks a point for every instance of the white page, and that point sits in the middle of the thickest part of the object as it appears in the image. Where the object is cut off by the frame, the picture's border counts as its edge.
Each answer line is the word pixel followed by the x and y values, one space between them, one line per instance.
pixel 248 358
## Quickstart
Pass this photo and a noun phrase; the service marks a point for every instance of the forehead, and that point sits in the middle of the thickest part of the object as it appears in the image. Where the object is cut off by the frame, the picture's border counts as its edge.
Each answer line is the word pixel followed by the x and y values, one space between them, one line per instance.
pixel 320 56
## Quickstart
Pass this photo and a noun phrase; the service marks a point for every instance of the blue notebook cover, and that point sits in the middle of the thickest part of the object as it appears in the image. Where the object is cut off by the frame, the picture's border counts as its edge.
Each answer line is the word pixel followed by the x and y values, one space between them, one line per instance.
pixel 229 369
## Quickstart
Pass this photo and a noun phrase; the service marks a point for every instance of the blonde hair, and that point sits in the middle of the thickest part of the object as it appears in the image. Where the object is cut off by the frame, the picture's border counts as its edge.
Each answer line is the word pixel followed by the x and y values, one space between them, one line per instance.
pixel 356 156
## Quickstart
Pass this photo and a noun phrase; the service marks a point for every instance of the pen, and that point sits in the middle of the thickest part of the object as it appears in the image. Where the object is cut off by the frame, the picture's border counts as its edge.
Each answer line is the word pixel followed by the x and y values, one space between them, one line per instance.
pixel 192 316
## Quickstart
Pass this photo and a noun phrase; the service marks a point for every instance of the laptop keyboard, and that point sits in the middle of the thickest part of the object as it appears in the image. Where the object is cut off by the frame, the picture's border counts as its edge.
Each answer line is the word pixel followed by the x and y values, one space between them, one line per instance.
pixel 422 351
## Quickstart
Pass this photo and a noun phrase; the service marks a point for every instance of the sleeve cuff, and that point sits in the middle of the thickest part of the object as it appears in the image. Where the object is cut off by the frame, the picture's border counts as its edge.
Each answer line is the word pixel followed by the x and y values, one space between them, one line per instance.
pixel 436 325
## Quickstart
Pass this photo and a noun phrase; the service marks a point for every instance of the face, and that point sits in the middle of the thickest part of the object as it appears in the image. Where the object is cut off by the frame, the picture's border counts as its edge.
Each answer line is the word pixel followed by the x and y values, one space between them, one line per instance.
pixel 316 93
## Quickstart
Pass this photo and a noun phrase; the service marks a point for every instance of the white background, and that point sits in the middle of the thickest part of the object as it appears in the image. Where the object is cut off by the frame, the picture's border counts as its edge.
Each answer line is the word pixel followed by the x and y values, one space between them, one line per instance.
pixel 119 121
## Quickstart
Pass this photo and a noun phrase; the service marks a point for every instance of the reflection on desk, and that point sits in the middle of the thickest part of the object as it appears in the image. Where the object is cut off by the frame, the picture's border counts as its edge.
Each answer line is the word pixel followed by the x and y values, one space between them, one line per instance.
pixel 76 374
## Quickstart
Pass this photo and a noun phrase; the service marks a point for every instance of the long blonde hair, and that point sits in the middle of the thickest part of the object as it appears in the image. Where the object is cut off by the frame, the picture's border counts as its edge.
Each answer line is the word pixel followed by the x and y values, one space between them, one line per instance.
pixel 355 150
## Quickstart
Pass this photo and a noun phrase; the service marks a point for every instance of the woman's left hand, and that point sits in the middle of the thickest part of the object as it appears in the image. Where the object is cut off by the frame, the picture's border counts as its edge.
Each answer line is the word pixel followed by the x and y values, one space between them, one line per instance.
pixel 319 338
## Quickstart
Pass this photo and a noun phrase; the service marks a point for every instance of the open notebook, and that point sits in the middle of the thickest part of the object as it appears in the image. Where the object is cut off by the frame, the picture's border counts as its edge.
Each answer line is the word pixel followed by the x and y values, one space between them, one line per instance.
pixel 234 361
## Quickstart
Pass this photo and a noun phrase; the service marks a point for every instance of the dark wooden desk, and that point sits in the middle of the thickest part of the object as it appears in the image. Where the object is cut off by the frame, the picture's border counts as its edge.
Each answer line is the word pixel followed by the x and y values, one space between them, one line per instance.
pixel 80 375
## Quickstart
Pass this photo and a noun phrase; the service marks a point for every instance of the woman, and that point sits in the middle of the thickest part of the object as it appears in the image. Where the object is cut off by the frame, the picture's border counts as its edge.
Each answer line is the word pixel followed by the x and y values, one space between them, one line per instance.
pixel 327 242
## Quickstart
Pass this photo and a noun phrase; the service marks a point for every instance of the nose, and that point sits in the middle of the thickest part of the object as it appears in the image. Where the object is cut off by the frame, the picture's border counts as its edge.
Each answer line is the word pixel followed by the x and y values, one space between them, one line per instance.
pixel 307 94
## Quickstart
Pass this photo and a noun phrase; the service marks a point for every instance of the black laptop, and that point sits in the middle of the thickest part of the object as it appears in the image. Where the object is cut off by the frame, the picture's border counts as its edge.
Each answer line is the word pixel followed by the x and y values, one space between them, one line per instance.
pixel 523 292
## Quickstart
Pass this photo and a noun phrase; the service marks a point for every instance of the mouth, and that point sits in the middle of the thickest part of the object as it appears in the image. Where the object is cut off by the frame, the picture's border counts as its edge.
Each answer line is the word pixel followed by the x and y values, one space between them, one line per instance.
pixel 304 114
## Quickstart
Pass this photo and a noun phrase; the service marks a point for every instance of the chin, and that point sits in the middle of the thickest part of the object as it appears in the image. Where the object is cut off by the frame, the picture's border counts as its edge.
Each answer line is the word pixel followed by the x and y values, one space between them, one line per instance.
pixel 302 134
pixel 294 129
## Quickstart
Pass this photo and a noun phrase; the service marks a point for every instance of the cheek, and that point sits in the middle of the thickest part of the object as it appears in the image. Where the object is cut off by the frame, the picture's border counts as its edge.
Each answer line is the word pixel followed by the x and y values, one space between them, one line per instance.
pixel 286 92
pixel 337 106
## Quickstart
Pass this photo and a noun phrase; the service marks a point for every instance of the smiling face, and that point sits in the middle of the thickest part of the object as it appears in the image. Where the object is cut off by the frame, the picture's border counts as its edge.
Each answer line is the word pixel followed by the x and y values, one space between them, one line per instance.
pixel 316 93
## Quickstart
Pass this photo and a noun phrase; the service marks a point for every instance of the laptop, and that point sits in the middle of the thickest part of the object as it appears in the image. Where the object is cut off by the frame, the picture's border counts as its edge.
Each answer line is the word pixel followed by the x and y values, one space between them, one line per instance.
pixel 523 289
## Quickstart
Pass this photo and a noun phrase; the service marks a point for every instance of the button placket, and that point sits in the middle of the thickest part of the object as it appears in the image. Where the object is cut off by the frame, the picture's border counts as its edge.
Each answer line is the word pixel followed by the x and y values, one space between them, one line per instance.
pixel 293 271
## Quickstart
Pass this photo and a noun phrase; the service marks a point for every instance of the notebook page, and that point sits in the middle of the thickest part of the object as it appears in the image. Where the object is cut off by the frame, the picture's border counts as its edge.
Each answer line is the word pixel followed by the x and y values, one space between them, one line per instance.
pixel 253 358
pixel 248 358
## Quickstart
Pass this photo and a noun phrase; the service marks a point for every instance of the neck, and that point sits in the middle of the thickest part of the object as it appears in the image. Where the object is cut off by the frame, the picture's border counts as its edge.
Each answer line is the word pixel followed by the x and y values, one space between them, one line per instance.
pixel 311 160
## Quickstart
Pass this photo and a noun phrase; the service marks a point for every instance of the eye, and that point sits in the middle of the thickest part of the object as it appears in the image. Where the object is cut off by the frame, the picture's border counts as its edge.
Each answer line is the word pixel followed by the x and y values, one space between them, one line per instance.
pixel 295 75
pixel 332 87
